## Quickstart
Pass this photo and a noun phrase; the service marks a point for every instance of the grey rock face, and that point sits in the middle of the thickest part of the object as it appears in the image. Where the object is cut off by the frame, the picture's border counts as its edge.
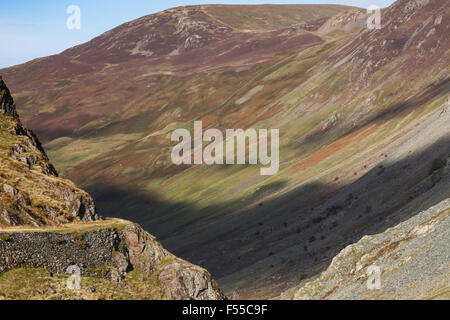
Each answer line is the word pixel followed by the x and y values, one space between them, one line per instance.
pixel 412 259
pixel 144 252
pixel 84 208
pixel 19 152
pixel 39 158
pixel 184 283
pixel 5 215
pixel 6 101
pixel 80 205
pixel 11 219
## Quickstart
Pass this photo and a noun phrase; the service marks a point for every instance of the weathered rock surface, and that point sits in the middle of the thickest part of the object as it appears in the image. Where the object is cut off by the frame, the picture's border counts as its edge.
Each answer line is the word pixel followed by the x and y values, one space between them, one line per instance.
pixel 30 192
pixel 181 282
pixel 6 101
pixel 30 151
pixel 413 259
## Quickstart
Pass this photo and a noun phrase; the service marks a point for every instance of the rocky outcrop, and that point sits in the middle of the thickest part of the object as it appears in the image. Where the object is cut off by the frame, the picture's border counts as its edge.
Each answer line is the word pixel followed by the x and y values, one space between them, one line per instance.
pixel 109 252
pixel 30 150
pixel 143 251
pixel 411 259
pixel 6 101
pixel 21 206
pixel 30 192
pixel 31 153
pixel 181 283
pixel 346 20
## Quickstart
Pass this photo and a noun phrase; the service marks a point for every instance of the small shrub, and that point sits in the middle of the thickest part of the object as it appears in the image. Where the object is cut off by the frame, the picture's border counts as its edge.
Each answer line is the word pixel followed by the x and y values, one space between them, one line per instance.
pixel 436 176
pixel 60 241
pixel 438 164
pixel 4 237
pixel 317 220
pixel 80 242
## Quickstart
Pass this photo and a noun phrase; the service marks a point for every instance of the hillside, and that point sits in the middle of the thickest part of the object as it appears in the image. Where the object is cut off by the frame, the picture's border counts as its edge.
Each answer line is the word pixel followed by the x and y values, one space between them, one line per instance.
pixel 121 76
pixel 270 17
pixel 362 114
pixel 412 257
pixel 47 225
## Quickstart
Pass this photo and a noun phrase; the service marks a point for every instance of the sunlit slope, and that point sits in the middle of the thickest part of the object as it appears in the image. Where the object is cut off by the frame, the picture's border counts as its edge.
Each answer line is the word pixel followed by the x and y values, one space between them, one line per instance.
pixel 270 17
pixel 130 72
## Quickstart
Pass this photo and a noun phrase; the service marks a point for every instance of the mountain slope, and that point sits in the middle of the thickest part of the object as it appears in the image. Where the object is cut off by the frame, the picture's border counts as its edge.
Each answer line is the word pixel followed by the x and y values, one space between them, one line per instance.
pixel 361 115
pixel 47 225
pixel 412 257
pixel 120 69
pixel 269 17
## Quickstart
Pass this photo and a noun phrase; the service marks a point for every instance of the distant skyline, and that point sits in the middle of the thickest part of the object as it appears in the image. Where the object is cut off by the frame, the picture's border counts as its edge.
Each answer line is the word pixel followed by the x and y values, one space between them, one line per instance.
pixel 33 29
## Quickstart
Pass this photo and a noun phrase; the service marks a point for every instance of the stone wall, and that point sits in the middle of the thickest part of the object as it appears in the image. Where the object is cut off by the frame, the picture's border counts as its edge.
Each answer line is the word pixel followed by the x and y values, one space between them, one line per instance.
pixel 107 253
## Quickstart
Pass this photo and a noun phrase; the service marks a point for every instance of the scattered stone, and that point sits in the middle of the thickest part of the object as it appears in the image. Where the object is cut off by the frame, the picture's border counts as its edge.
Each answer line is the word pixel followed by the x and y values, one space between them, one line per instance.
pixel 51 290
pixel 10 190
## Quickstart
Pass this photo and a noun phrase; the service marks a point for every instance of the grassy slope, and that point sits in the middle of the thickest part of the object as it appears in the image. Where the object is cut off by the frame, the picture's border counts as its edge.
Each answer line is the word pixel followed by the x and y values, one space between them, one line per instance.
pixel 38 284
pixel 269 17
pixel 74 227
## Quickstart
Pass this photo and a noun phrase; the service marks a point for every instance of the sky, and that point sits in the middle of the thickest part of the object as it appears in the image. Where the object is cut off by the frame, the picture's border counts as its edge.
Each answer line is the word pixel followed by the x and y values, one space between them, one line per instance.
pixel 32 29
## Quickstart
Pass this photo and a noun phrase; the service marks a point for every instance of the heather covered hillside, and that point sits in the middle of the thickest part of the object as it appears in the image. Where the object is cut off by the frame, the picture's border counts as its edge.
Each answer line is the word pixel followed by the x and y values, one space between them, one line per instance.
pixel 363 117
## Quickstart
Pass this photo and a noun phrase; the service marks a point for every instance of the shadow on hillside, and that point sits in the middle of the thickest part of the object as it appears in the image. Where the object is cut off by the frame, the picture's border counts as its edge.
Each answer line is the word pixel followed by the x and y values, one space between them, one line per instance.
pixel 293 236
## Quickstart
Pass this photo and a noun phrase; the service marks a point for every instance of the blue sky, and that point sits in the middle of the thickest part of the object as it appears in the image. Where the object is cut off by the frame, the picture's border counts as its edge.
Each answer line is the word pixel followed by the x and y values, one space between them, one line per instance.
pixel 32 29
